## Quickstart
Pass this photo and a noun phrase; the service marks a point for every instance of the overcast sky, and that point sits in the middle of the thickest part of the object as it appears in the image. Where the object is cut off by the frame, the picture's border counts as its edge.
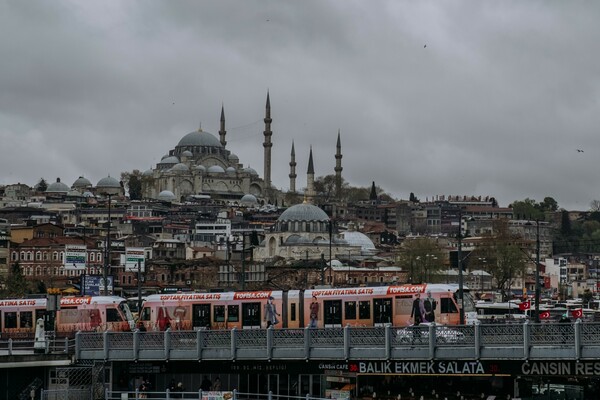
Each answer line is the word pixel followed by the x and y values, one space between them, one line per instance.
pixel 490 98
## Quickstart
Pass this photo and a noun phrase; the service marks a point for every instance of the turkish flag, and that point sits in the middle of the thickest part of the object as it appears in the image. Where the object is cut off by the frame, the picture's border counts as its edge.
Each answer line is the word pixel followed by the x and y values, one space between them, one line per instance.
pixel 545 315
pixel 526 305
pixel 578 313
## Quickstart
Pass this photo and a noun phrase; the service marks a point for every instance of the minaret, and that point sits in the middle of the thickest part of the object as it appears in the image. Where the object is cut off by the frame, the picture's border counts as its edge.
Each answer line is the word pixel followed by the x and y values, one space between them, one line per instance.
pixel 222 131
pixel 373 194
pixel 267 144
pixel 293 170
pixel 338 168
pixel 310 180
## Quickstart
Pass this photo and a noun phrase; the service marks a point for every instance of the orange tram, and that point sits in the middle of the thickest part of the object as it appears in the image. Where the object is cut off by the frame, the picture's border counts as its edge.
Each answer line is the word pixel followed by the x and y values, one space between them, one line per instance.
pixel 337 307
pixel 77 313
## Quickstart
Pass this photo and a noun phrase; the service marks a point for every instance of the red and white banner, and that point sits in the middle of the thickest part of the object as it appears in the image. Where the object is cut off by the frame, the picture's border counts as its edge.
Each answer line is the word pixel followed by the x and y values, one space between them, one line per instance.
pixel 545 315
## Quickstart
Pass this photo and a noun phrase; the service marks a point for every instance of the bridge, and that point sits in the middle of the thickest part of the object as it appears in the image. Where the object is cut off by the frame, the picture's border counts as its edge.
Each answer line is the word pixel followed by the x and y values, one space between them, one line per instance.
pixel 526 341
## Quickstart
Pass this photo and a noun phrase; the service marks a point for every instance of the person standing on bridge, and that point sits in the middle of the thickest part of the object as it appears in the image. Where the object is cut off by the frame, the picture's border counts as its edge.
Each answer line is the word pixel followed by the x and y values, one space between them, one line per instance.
pixel 429 304
pixel 271 313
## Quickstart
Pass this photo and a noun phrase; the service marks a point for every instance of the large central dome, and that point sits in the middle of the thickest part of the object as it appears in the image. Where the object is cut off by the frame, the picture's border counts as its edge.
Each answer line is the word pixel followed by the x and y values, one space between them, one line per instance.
pixel 199 138
pixel 303 212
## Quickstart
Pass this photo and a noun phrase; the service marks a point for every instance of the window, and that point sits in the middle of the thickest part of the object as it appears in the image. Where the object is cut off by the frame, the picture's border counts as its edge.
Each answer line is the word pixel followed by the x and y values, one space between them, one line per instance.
pixel 293 312
pixel 26 319
pixel 112 315
pixel 233 313
pixel 10 320
pixel 350 310
pixel 145 316
pixel 55 256
pixel 38 256
pixel 364 309
pixel 46 256
pixel 92 258
pixel 219 314
pixel 15 256
pixel 447 306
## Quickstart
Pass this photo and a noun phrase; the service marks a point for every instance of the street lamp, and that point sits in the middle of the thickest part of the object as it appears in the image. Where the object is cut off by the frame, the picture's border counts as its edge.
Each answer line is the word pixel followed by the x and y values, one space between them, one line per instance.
pixel 460 271
pixel 107 258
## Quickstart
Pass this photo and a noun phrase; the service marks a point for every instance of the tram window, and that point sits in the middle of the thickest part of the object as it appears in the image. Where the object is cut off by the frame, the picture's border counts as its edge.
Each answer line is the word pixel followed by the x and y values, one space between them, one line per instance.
pixel 219 313
pixel 145 316
pixel 293 312
pixel 350 310
pixel 364 309
pixel 233 313
pixel 10 320
pixel 26 319
pixel 112 315
pixel 447 306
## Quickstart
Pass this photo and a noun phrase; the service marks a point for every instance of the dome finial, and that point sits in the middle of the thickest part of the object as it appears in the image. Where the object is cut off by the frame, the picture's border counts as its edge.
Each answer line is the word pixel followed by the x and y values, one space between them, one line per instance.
pixel 200 127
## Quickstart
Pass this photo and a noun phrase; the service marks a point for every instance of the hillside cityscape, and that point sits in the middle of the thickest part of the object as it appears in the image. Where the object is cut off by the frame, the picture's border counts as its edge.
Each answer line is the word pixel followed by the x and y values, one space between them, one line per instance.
pixel 200 220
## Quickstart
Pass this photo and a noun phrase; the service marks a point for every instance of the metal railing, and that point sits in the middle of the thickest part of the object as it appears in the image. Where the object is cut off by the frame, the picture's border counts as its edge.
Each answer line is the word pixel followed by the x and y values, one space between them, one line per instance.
pixel 479 341
pixel 86 394
pixel 580 340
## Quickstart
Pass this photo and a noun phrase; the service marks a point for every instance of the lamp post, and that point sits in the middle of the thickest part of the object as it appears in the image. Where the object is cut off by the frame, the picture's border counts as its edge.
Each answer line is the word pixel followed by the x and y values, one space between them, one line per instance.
pixel 537 272
pixel 330 227
pixel 107 258
pixel 139 284
pixel 460 271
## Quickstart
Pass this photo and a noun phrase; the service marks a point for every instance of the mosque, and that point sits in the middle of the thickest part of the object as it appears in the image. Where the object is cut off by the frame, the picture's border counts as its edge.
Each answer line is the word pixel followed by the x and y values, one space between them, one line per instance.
pixel 201 164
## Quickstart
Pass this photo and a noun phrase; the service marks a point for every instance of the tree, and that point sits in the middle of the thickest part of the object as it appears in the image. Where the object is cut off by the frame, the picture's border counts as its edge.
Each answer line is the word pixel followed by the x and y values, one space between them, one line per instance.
pixel 41 186
pixel 422 257
pixel 133 182
pixel 412 198
pixel 16 285
pixel 505 259
pixel 595 205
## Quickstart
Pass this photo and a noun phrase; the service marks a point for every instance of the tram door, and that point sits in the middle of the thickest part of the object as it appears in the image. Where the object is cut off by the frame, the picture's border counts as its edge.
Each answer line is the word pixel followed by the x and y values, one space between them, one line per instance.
pixel 382 311
pixel 250 315
pixel 332 313
pixel 201 316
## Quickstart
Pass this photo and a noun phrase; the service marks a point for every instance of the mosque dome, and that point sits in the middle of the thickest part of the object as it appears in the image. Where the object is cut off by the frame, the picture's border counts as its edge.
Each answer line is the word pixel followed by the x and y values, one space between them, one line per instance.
pixel 180 168
pixel 233 158
pixel 170 160
pixel 250 171
pixel 200 138
pixel 165 156
pixel 81 182
pixel 249 199
pixel 216 169
pixel 296 239
pixel 187 153
pixel 303 212
pixel 108 183
pixel 57 187
pixel 355 238
pixel 166 195
pixel 200 168
pixel 230 170
pixel 88 194
pixel 148 172
pixel 74 193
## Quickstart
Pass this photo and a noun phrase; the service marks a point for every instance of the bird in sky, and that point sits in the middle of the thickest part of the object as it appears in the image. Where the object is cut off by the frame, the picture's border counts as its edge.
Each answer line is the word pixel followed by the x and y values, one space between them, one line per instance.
pixel 579 151
pixel 424 46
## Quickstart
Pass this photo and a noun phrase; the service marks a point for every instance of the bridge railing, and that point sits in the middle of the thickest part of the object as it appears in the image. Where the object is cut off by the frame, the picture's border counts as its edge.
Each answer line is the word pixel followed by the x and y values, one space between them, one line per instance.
pixel 514 341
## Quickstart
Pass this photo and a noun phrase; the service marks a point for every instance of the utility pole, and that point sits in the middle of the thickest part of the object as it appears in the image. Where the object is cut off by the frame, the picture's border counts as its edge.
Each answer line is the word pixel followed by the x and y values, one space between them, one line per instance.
pixel 139 285
pixel 537 271
pixel 243 277
pixel 460 271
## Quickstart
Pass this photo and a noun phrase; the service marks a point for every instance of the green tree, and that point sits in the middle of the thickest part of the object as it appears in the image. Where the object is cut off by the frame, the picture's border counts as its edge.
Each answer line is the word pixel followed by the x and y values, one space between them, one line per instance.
pixel 16 285
pixel 133 182
pixel 41 186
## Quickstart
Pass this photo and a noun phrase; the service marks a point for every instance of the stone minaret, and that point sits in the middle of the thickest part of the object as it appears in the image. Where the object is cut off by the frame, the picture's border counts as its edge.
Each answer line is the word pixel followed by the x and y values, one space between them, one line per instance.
pixel 338 168
pixel 310 180
pixel 293 170
pixel 222 131
pixel 267 144
pixel 373 194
